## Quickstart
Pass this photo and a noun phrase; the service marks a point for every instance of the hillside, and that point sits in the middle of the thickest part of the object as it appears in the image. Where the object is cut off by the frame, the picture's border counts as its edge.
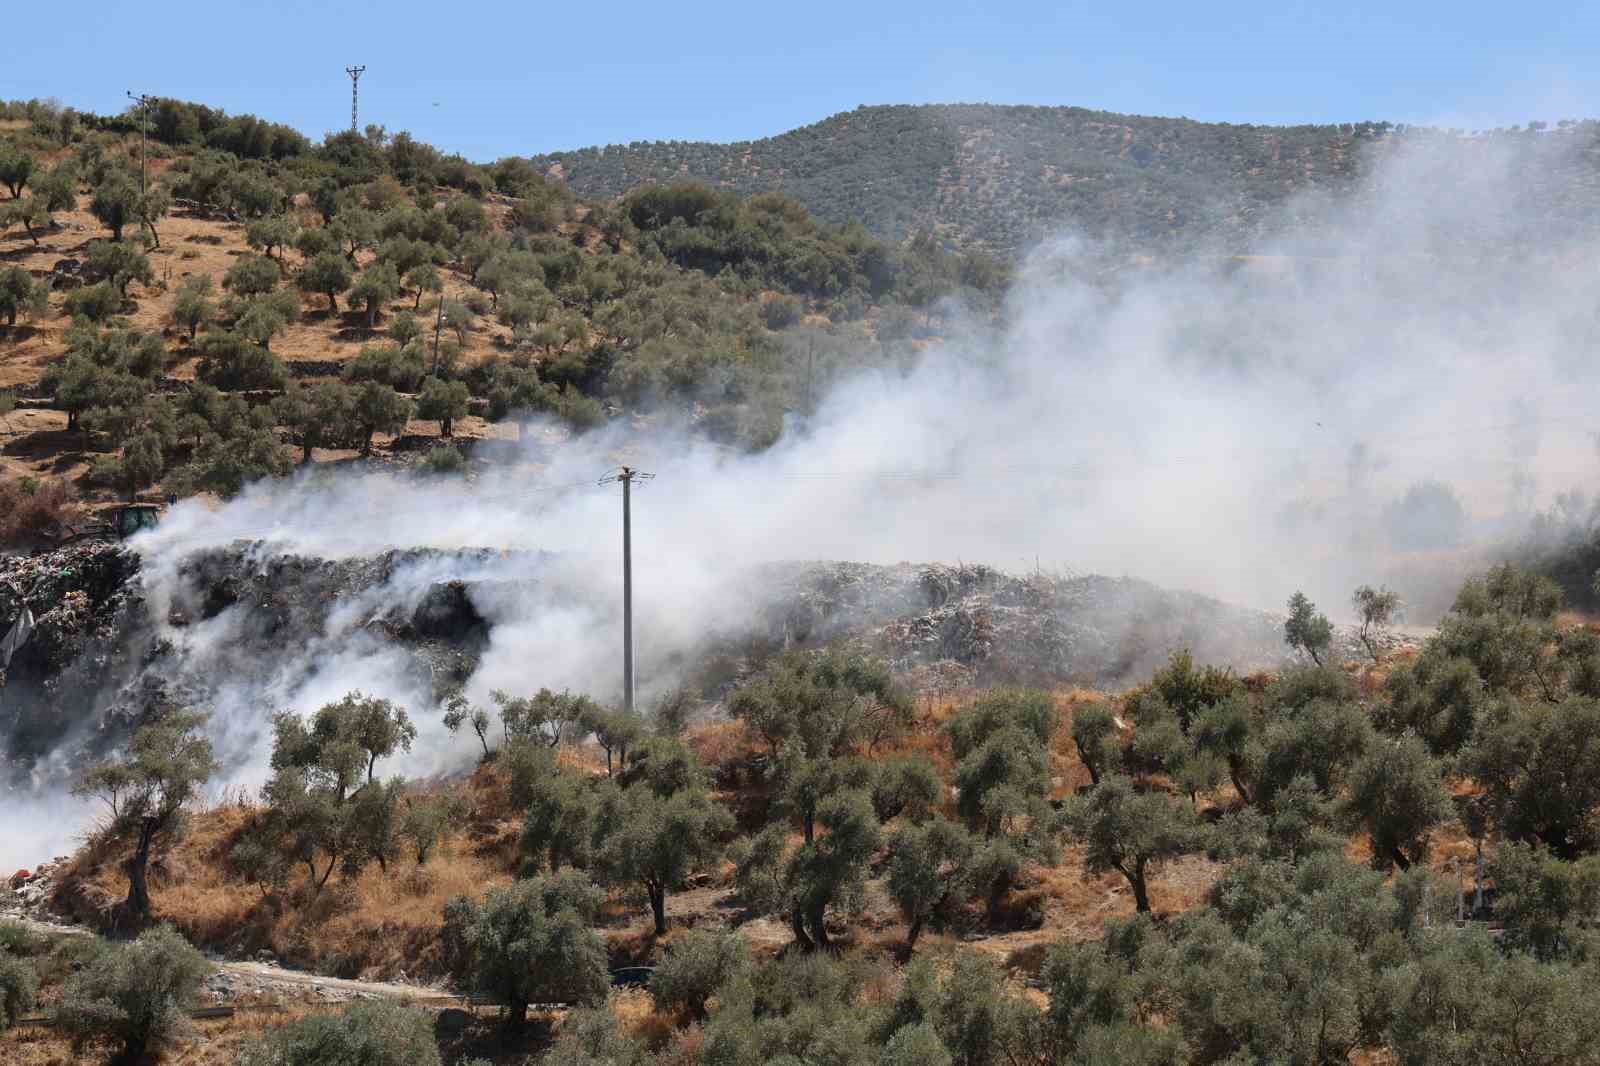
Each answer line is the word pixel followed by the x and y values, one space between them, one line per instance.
pixel 263 286
pixel 355 706
pixel 1001 177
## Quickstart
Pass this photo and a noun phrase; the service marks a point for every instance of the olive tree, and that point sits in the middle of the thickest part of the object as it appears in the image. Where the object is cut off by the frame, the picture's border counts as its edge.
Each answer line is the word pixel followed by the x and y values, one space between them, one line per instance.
pixel 828 871
pixel 378 409
pixel 135 995
pixel 533 942
pixel 931 871
pixel 377 285
pixel 16 167
pixel 459 711
pixel 327 274
pixel 319 811
pixel 1306 629
pixel 423 278
pixel 118 264
pixel 660 827
pixel 1095 736
pixel 1539 765
pixel 20 295
pixel 192 306
pixel 694 967
pixel 814 712
pixel 1376 608
pixel 425 821
pixel 316 416
pixel 1131 832
pixel 343 738
pixel 1398 796
pixel 443 402
pixel 545 717
pixel 560 811
pixel 115 203
pixel 148 788
pixel 618 732
pixel 252 275
pixel 271 232
pixel 1003 773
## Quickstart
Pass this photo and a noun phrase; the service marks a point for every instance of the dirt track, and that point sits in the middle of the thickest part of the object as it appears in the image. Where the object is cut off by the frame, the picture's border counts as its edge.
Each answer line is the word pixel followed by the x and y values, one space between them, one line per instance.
pixel 235 978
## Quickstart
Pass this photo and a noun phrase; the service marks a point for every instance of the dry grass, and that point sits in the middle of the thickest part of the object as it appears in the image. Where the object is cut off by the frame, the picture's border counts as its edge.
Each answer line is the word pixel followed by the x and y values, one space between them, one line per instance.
pixel 212 1042
pixel 376 926
pixel 40 512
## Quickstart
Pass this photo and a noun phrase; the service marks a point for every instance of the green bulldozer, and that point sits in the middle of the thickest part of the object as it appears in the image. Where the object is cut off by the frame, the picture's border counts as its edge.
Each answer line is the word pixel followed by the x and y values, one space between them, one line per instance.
pixel 125 521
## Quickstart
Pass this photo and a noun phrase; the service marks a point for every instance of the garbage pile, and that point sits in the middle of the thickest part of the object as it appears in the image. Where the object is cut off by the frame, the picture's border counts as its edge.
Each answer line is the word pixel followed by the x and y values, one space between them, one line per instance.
pixel 107 640
pixel 291 598
pixel 68 620
pixel 76 597
pixel 993 627
pixel 29 891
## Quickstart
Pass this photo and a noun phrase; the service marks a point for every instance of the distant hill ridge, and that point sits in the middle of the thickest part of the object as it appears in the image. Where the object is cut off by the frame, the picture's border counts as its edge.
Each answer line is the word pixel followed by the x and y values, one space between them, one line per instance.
pixel 1001 177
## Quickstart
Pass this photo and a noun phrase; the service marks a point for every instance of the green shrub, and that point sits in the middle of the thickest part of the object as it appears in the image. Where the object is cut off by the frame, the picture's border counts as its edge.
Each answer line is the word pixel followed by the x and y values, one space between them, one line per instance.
pixel 591 1037
pixel 532 942
pixel 695 966
pixel 444 459
pixel 136 995
pixel 19 989
pixel 18 939
pixel 366 1034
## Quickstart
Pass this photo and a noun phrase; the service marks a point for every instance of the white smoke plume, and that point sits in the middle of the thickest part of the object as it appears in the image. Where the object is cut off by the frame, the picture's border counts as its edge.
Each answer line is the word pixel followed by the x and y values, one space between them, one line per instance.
pixel 1230 425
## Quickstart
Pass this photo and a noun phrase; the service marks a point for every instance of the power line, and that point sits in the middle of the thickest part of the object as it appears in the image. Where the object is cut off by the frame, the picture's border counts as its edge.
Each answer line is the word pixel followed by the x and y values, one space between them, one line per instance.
pixel 627 475
pixel 355 76
pixel 144 103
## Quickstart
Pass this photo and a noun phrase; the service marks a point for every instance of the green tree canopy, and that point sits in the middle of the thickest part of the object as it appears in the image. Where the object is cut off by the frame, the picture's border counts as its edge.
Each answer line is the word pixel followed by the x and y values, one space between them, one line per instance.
pixel 147 790
pixel 531 942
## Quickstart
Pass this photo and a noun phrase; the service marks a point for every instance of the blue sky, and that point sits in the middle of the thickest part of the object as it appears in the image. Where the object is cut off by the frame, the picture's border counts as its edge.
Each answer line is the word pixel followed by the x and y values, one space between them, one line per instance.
pixel 496 78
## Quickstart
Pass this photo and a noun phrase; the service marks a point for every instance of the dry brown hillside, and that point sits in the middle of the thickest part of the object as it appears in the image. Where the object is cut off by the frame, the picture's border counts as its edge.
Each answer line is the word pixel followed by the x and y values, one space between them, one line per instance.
pixel 34 440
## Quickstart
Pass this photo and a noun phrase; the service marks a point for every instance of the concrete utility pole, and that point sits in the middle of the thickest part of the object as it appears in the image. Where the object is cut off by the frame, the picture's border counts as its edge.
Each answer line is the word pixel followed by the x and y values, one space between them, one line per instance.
pixel 627 475
pixel 355 76
pixel 144 152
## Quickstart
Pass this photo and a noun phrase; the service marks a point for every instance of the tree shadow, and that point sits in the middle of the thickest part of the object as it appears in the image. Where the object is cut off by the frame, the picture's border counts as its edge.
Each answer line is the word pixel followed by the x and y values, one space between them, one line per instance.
pixel 43 443
pixel 490 1035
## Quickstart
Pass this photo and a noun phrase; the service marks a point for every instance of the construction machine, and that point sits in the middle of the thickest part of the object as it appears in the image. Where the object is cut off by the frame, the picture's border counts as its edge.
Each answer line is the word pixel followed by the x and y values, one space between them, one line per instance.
pixel 125 521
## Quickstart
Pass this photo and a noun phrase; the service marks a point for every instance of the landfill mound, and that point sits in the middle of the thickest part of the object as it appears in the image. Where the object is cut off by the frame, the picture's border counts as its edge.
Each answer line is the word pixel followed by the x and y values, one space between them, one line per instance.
pixel 107 639
pixel 973 624
pixel 112 638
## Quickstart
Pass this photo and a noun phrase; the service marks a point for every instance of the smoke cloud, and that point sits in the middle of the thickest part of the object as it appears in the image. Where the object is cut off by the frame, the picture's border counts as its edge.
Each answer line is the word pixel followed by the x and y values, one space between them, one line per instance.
pixel 1233 425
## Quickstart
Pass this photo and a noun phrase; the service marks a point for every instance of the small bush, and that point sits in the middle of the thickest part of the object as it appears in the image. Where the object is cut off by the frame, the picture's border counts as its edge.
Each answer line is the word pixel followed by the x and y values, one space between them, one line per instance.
pixel 19 989
pixel 592 1038
pixel 18 939
pixel 444 459
pixel 136 995
pixel 695 966
pixel 366 1034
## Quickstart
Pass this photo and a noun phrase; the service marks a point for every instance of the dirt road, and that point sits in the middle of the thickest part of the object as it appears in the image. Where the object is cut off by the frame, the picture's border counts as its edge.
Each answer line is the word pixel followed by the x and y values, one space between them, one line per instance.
pixel 234 978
